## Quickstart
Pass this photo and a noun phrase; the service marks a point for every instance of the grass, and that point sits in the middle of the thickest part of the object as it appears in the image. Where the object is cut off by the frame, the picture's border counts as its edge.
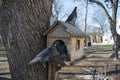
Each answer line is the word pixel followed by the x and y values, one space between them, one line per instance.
pixel 4 66
pixel 103 46
pixel 99 49
pixel 2 47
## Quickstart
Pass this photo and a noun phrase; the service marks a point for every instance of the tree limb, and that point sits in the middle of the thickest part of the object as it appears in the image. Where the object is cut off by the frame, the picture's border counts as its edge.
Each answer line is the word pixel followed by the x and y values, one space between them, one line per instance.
pixel 111 1
pixel 103 7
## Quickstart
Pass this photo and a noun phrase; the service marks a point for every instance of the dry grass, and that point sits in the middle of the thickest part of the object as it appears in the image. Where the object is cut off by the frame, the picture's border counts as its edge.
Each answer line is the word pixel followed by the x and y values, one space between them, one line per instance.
pixel 95 50
pixel 2 47
pixel 4 66
pixel 99 49
pixel 4 70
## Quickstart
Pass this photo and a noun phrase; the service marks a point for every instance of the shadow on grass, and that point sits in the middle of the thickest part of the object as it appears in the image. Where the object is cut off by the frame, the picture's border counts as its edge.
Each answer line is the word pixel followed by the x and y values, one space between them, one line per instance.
pixel 4 78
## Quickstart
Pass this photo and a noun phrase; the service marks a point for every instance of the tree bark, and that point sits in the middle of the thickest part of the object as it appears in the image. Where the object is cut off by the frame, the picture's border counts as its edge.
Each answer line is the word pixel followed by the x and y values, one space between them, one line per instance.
pixel 22 24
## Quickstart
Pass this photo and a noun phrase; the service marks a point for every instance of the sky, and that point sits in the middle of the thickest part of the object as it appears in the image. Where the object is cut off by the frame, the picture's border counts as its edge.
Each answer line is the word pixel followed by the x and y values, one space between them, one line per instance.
pixel 68 6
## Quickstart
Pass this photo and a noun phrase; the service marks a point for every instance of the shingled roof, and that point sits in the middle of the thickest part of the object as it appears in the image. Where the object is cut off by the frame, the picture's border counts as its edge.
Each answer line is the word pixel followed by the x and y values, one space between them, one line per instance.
pixel 72 29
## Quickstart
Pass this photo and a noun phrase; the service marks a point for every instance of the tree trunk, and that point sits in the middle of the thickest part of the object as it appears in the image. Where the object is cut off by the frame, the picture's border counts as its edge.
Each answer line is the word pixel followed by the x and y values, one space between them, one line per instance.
pixel 112 20
pixel 22 25
pixel 85 26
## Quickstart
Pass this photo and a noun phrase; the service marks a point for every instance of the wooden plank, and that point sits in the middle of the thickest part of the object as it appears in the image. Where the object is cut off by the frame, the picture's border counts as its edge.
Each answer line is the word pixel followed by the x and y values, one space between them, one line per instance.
pixel 52 71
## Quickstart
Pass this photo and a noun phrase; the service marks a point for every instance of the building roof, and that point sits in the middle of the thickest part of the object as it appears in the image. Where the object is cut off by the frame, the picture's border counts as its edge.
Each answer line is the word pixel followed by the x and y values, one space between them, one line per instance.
pixel 72 29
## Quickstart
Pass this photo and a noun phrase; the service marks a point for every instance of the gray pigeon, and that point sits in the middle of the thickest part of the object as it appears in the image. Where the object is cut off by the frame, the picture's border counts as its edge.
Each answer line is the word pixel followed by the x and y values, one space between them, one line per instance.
pixel 72 17
pixel 42 56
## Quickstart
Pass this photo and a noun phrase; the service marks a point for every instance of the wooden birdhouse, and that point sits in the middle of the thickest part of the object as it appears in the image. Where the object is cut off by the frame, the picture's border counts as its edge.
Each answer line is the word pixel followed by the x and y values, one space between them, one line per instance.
pixel 70 35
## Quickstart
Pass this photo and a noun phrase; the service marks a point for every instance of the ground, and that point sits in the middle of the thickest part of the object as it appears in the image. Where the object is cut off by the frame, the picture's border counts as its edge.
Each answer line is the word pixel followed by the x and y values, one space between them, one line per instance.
pixel 95 55
pixel 4 67
pixel 99 58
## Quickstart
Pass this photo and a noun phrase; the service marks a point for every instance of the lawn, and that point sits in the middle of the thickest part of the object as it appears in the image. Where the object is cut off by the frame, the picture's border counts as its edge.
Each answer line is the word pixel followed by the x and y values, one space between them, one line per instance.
pixel 99 49
pixel 103 46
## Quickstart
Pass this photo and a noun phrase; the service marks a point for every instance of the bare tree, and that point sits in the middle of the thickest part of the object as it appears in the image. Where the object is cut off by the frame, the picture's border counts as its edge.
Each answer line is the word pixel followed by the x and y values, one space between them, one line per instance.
pixel 57 9
pixel 85 26
pixel 100 19
pixel 113 5
pixel 22 24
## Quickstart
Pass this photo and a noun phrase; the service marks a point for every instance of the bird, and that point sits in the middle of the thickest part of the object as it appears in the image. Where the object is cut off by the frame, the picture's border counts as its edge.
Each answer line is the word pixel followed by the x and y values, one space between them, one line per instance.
pixel 72 17
pixel 61 48
pixel 42 56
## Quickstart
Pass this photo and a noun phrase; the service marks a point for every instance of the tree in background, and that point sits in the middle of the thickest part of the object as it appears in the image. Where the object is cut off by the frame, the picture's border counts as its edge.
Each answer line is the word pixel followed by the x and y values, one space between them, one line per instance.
pixel 85 23
pixel 22 24
pixel 56 10
pixel 100 19
pixel 112 18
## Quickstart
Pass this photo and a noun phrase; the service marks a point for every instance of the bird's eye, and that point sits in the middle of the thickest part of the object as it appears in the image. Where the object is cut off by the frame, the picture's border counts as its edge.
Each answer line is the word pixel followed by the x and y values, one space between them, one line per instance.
pixel 54 45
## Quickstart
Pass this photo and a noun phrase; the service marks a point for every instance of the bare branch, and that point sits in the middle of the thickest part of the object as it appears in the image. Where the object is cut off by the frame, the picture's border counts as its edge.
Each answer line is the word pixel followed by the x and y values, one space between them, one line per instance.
pixel 103 7
pixel 111 1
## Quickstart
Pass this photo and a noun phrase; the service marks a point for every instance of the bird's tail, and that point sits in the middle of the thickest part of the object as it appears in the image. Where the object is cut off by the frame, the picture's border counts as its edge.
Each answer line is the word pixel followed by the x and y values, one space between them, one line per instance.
pixel 34 61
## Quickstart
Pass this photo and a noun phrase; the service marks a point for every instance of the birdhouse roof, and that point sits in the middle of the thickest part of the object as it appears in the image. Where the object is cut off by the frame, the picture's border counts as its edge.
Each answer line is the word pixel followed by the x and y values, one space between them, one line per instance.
pixel 72 29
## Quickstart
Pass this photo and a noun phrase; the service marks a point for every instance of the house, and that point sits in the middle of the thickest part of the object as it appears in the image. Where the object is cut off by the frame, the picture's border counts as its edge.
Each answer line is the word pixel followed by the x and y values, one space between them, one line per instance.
pixel 108 39
pixel 95 37
pixel 71 36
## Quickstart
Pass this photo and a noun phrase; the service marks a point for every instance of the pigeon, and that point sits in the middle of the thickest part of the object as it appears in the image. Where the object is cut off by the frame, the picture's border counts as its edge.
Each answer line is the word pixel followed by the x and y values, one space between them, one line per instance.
pixel 72 17
pixel 61 48
pixel 42 56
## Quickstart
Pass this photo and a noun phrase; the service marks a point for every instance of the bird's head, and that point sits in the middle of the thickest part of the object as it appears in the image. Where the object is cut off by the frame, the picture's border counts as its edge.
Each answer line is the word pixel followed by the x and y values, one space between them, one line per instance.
pixel 75 7
pixel 58 42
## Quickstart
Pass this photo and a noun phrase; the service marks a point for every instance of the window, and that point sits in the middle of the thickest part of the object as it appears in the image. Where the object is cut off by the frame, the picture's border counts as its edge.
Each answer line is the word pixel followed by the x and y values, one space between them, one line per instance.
pixel 78 44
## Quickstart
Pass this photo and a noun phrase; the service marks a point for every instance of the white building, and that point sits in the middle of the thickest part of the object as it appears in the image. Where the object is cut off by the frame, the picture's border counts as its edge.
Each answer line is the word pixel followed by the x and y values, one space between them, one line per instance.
pixel 118 27
pixel 107 38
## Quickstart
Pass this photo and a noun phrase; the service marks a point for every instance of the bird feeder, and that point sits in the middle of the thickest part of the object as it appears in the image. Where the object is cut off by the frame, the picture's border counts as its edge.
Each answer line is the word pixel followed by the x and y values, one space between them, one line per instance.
pixel 71 36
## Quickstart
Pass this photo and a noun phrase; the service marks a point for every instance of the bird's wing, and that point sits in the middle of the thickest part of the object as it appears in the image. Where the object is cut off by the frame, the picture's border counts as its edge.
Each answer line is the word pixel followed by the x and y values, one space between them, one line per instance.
pixel 42 56
pixel 36 59
pixel 42 52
